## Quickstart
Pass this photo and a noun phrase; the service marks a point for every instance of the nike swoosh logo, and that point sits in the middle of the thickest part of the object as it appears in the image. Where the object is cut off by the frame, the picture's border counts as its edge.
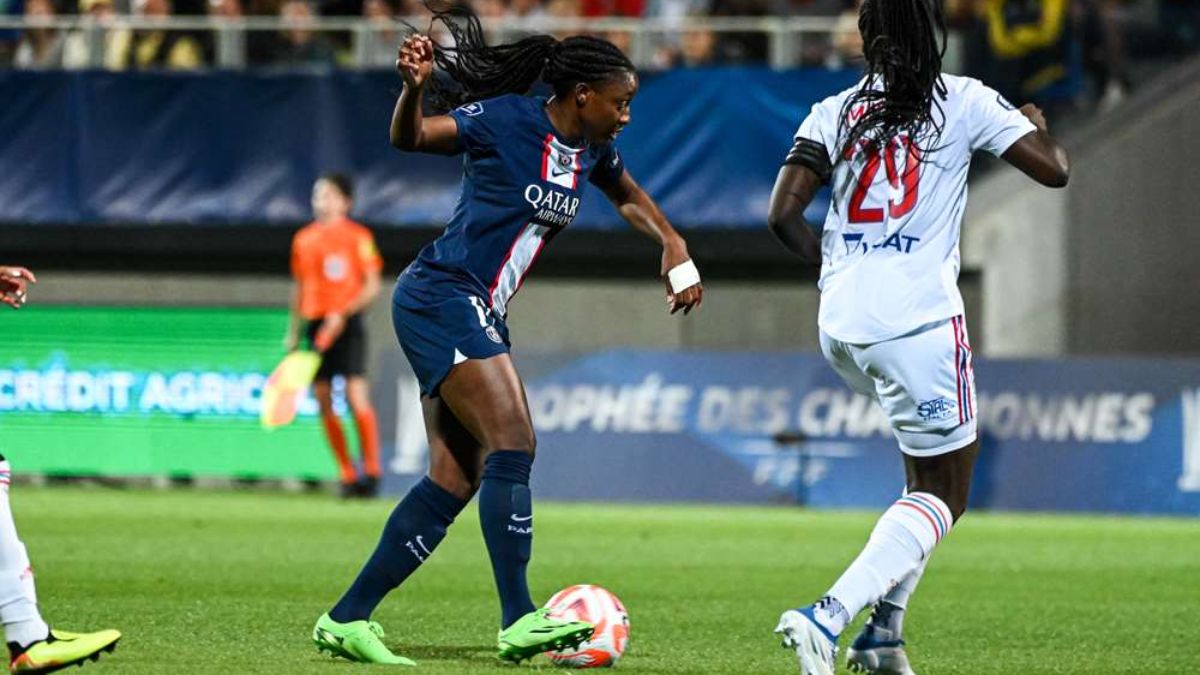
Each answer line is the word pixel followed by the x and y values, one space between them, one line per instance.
pixel 519 519
pixel 558 174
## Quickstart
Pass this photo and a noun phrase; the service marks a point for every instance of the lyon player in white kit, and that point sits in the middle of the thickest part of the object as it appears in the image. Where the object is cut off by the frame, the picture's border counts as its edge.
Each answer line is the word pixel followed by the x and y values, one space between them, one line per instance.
pixel 895 150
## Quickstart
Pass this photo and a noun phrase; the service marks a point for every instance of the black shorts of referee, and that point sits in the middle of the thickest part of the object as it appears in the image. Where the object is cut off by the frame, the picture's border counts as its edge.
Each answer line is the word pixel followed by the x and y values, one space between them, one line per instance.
pixel 347 356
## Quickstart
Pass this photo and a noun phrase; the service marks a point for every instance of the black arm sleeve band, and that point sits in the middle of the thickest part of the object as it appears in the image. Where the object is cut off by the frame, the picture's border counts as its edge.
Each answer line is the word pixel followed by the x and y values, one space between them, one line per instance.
pixel 811 154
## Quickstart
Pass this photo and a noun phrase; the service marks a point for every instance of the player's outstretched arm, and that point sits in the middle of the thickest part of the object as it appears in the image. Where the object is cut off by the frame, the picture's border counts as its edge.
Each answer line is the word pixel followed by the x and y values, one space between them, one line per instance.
pixel 1038 154
pixel 14 285
pixel 410 129
pixel 679 273
pixel 794 189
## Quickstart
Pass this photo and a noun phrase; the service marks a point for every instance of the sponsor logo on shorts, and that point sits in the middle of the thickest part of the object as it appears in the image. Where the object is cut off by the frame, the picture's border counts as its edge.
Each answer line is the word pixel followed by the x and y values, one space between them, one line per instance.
pixel 493 334
pixel 936 409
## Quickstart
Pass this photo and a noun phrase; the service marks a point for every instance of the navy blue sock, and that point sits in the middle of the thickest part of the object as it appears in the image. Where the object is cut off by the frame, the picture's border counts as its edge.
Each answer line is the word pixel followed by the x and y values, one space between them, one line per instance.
pixel 417 525
pixel 506 516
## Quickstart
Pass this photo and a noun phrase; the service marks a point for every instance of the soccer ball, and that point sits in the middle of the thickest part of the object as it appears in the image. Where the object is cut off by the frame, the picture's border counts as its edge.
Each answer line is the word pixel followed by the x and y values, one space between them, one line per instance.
pixel 601 608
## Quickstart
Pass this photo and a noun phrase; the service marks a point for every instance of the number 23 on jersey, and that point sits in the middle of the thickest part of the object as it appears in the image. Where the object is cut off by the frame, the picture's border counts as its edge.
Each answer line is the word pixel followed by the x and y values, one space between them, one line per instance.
pixel 901 161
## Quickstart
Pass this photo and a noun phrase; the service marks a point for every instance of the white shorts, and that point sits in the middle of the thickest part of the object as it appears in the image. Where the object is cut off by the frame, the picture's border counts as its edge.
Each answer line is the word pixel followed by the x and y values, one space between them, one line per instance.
pixel 924 381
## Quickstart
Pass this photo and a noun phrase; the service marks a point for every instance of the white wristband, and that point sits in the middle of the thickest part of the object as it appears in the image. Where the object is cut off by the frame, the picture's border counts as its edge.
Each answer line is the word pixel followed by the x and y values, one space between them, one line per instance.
pixel 683 276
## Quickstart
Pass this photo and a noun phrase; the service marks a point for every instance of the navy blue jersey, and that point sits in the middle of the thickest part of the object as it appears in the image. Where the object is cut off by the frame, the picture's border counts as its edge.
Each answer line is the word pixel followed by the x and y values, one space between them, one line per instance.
pixel 521 187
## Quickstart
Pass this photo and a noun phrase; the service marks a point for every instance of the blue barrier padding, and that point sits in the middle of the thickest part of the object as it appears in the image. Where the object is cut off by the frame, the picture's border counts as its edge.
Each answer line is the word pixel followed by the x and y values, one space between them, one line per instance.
pixel 239 148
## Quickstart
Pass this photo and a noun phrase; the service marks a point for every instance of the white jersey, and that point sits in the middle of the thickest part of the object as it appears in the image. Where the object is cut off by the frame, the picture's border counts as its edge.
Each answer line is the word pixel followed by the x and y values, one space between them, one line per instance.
pixel 889 251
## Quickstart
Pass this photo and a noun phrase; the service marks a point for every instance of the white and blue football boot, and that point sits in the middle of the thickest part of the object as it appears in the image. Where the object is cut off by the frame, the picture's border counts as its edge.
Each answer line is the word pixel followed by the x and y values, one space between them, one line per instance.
pixel 815 646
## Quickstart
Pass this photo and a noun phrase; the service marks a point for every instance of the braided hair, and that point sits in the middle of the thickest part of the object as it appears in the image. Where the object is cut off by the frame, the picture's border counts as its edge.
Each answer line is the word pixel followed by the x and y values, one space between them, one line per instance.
pixel 903 42
pixel 474 70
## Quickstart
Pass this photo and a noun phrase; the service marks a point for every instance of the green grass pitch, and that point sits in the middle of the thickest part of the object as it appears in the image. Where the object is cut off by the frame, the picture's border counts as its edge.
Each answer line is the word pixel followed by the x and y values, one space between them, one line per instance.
pixel 221 582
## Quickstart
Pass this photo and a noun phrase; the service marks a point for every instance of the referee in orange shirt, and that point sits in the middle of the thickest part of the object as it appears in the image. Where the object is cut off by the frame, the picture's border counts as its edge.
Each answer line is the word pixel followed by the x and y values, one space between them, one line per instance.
pixel 336 267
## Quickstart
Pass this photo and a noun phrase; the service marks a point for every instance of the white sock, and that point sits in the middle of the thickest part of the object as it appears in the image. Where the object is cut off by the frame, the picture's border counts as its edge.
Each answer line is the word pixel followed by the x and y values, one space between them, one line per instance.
pixel 889 613
pixel 902 540
pixel 23 623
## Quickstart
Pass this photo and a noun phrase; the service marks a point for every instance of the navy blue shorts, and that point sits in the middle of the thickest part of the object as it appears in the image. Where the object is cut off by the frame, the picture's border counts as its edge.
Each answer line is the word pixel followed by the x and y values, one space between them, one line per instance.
pixel 438 335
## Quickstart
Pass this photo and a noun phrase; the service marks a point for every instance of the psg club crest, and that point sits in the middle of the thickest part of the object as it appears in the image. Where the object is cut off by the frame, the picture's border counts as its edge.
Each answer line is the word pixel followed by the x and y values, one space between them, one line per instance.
pixel 560 163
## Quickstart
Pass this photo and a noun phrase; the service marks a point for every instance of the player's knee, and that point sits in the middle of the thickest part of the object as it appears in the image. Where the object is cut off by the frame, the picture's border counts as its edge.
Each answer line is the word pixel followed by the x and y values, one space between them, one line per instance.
pixel 454 483
pixel 360 404
pixel 953 495
pixel 523 442
pixel 520 440
pixel 358 395
pixel 510 432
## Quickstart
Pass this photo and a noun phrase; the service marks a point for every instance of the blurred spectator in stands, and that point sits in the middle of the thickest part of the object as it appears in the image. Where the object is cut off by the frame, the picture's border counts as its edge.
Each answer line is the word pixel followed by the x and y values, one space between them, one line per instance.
pixel 961 13
pixel 807 7
pixel 816 47
pixel 594 8
pixel 153 47
pixel 697 48
pixel 88 45
pixel 672 15
pixel 564 9
pixel 223 45
pixel 623 40
pixel 1104 50
pixel 525 9
pixel 226 9
pixel 189 8
pixel 847 40
pixel 489 9
pixel 384 37
pixel 10 37
pixel 749 47
pixel 263 7
pixel 298 44
pixel 40 47
pixel 674 12
pixel 1024 49
pixel 1181 21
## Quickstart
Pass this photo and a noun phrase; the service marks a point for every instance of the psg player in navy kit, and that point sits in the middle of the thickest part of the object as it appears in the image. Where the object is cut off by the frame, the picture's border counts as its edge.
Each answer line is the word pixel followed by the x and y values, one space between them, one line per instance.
pixel 526 160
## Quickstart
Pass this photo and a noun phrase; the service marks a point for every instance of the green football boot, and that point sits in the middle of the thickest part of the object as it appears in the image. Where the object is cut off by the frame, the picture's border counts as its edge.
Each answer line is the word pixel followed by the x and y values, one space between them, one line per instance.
pixel 63 649
pixel 538 632
pixel 359 641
